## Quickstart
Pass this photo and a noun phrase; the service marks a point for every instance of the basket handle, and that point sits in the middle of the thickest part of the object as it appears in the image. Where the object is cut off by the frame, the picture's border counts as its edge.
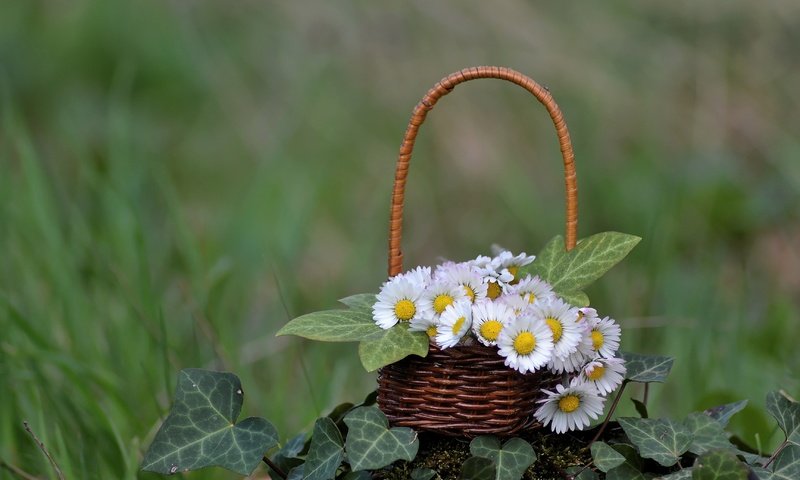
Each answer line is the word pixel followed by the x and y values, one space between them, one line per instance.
pixel 442 88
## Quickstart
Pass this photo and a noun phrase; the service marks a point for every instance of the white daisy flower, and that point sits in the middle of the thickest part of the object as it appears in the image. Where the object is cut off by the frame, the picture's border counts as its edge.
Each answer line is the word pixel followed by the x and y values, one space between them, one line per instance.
pixel 527 344
pixel 605 336
pixel 574 361
pixel 442 271
pixel 561 318
pixel 464 275
pixel 398 301
pixel 606 374
pixel 481 261
pixel 419 275
pixel 533 289
pixel 427 324
pixel 489 319
pixel 586 313
pixel 506 260
pixel 439 295
pixel 518 304
pixel 454 323
pixel 570 408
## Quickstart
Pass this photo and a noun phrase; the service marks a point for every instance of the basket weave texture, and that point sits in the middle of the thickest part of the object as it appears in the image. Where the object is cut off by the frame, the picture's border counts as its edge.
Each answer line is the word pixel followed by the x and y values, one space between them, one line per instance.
pixel 461 391
pixel 467 390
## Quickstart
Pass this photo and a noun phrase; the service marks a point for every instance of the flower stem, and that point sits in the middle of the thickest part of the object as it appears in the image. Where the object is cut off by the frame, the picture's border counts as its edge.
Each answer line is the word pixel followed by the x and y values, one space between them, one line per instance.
pixel 777 451
pixel 274 467
pixel 610 412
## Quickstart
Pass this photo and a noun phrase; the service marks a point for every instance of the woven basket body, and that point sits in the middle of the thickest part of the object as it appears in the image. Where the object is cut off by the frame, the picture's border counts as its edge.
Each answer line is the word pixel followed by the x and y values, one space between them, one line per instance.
pixel 466 390
pixel 461 391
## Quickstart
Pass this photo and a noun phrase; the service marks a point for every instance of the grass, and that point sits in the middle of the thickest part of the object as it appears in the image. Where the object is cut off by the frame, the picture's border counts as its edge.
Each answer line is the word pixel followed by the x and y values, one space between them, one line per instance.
pixel 180 179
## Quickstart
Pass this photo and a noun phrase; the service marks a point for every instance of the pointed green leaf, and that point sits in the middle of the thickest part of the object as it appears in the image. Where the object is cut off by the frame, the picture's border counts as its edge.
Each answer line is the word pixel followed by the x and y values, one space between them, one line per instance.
pixel 362 475
pixel 723 413
pixel 631 469
pixel 661 439
pixel 398 343
pixel 787 464
pixel 719 465
pixel 287 457
pixel 360 301
pixel 545 264
pixel 201 428
pixel 511 460
pixel 477 468
pixel 326 452
pixel 372 444
pixel 576 299
pixel 334 326
pixel 422 474
pixel 605 458
pixel 296 473
pixel 646 368
pixel 707 434
pixel 762 473
pixel 787 412
pixel 685 474
pixel 577 472
pixel 641 408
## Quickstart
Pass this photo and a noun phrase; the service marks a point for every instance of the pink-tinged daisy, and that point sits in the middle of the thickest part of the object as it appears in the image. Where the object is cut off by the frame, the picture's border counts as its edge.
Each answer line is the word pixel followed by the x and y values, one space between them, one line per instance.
pixel 398 301
pixel 468 278
pixel 489 319
pixel 605 336
pixel 606 374
pixel 570 408
pixel 527 344
pixel 533 289
pixel 506 260
pixel 454 323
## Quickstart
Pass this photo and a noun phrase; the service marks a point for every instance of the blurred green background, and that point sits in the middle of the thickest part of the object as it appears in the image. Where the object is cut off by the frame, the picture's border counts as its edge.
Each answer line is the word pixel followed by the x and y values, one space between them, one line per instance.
pixel 178 179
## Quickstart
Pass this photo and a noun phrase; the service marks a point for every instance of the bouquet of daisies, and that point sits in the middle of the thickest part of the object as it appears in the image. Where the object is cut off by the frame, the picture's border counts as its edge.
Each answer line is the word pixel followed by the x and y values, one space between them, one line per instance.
pixel 487 300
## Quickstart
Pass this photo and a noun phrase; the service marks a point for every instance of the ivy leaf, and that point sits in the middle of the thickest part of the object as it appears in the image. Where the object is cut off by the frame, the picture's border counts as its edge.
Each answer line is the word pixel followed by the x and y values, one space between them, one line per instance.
pixel 605 458
pixel 577 472
pixel 719 465
pixel 545 264
pixel 201 428
pixel 646 368
pixel 334 326
pixel 326 452
pixel 371 444
pixel 576 299
pixel 641 408
pixel 723 413
pixel 787 464
pixel 397 343
pixel 631 469
pixel 511 460
pixel 787 412
pixel 422 474
pixel 360 301
pixel 477 468
pixel 685 474
pixel 707 434
pixel 362 475
pixel 660 439
pixel 296 473
pixel 287 457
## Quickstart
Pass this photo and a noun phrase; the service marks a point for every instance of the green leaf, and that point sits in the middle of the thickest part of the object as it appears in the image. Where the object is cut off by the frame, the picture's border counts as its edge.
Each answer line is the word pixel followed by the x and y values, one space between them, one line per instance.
pixel 787 412
pixel 398 343
pixel 511 460
pixel 719 465
pixel 577 472
pixel 372 444
pixel 422 474
pixel 360 301
pixel 334 326
pixel 201 428
pixel 477 468
pixel 660 439
pixel 545 264
pixel 685 474
pixel 589 260
pixel 287 457
pixel 576 299
pixel 326 452
pixel 707 434
pixel 605 458
pixel 723 413
pixel 641 408
pixel 296 473
pixel 646 368
pixel 787 464
pixel 362 475
pixel 631 469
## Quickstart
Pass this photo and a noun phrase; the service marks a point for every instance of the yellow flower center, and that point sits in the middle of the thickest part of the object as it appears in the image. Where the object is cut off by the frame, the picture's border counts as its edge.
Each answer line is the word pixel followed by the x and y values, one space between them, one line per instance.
pixel 458 324
pixel 405 309
pixel 597 373
pixel 470 293
pixel 597 339
pixel 569 403
pixel 531 297
pixel 493 290
pixel 431 331
pixel 513 270
pixel 524 343
pixel 555 326
pixel 490 329
pixel 441 302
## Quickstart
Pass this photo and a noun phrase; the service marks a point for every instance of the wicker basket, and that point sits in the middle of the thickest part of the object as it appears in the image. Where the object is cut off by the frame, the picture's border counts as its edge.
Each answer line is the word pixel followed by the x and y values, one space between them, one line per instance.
pixel 466 390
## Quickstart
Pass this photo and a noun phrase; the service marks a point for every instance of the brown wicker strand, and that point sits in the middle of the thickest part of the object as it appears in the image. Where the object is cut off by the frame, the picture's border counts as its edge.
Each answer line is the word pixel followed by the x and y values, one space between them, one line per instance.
pixel 442 88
